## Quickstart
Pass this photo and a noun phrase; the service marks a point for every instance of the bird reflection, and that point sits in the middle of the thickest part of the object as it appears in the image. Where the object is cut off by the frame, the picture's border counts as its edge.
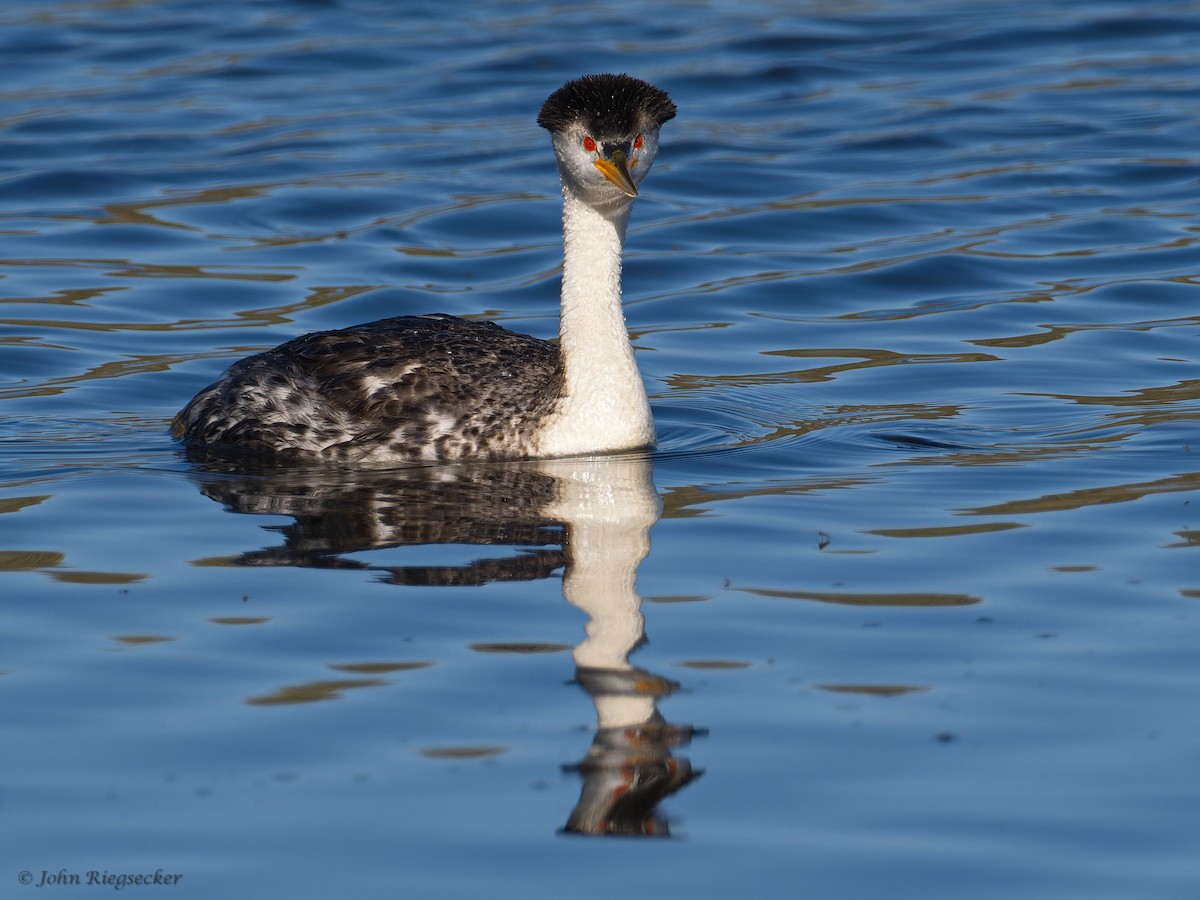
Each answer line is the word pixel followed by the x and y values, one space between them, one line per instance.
pixel 589 517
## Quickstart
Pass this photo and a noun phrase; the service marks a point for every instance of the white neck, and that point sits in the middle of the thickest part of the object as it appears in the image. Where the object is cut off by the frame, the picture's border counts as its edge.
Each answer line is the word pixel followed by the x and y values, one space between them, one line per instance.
pixel 604 407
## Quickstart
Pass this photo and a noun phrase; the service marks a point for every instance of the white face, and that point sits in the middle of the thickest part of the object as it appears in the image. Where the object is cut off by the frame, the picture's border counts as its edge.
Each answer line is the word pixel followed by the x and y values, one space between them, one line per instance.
pixel 587 163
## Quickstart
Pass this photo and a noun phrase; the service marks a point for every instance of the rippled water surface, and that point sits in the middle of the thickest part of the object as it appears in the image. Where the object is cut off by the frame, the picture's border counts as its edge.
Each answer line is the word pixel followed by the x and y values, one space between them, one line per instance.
pixel 904 604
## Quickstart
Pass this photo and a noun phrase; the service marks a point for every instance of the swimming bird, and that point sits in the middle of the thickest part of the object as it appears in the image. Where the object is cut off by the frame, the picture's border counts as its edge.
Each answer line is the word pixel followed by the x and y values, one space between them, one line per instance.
pixel 438 387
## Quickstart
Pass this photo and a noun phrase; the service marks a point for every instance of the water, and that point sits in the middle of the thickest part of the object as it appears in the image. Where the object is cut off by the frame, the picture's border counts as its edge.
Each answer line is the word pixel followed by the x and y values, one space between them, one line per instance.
pixel 914 291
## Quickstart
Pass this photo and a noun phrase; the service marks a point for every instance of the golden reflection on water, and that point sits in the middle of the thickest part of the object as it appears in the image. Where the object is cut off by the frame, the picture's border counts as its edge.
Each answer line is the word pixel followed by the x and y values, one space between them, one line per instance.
pixel 867 359
pixel 126 268
pixel 379 668
pixel 1083 498
pixel 941 531
pixel 333 689
pixel 30 560
pixel 880 598
pixel 519 647
pixel 313 691
pixel 81 577
pixel 873 690
pixel 53 564
pixel 462 752
pixel 1051 333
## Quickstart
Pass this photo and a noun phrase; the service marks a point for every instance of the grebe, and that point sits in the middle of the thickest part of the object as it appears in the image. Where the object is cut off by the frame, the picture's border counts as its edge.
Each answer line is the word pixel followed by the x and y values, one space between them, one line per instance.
pixel 438 387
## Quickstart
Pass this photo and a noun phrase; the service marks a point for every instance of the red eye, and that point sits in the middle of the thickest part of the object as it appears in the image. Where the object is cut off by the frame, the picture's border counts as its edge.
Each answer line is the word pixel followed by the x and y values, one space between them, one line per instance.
pixel 638 142
pixel 589 144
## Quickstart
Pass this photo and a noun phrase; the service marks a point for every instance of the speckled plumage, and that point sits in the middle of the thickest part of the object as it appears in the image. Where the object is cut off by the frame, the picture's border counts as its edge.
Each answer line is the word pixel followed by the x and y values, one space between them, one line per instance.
pixel 439 387
pixel 410 387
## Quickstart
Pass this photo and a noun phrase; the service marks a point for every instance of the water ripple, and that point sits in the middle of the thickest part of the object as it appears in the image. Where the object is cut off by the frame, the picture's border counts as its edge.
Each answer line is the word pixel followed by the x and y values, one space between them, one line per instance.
pixel 913 287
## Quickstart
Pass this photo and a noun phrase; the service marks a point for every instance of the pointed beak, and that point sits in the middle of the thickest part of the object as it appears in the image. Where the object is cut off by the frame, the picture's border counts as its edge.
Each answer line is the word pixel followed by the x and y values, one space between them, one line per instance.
pixel 616 170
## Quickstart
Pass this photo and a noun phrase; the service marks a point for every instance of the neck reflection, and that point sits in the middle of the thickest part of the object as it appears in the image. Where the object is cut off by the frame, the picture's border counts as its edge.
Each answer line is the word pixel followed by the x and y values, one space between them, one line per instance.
pixel 589 517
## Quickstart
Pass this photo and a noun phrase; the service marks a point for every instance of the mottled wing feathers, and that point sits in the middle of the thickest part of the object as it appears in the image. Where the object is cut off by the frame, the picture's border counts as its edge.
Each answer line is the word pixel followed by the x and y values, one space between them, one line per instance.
pixel 419 387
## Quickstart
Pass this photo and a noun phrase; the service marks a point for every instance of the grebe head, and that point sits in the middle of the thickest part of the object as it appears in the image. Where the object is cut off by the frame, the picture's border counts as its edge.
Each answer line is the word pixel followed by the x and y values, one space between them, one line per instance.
pixel 605 134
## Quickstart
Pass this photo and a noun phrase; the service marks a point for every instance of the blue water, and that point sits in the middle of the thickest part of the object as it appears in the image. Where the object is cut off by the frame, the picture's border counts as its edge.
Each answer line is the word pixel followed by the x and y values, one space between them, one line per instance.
pixel 914 288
